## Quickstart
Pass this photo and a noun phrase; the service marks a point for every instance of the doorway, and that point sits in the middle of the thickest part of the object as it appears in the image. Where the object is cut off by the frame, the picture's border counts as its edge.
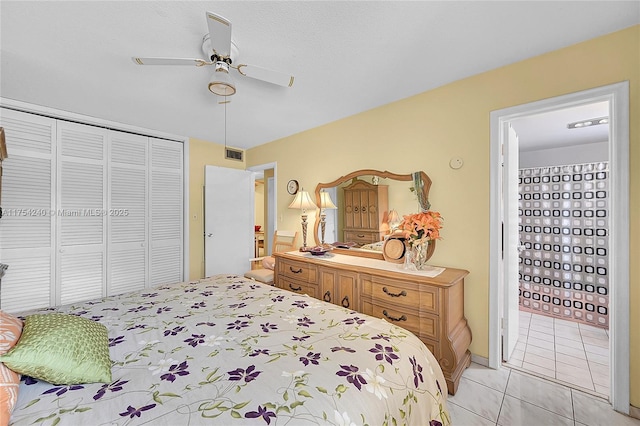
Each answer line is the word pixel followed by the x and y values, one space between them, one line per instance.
pixel 265 208
pixel 502 318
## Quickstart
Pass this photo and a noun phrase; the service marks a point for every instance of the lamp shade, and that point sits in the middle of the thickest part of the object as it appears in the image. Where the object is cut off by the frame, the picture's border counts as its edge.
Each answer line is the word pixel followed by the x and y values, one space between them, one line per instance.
pixel 221 82
pixel 326 202
pixel 394 219
pixel 302 201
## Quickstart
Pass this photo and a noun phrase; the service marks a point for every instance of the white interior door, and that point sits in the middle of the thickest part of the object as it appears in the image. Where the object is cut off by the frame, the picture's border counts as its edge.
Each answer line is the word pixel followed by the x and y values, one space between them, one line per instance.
pixel 166 232
pixel 128 201
pixel 27 229
pixel 81 223
pixel 228 220
pixel 511 241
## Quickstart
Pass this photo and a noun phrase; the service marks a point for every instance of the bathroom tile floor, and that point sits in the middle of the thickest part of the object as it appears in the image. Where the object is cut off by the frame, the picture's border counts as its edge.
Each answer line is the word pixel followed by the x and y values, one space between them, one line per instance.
pixel 513 398
pixel 568 352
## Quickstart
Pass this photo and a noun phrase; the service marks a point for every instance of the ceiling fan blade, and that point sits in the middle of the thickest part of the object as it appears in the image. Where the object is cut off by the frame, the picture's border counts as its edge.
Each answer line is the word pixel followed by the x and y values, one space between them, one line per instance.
pixel 270 76
pixel 219 34
pixel 171 61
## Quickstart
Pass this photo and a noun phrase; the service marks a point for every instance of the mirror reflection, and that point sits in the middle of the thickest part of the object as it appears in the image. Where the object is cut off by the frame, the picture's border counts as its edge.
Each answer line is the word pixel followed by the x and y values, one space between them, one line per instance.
pixel 357 211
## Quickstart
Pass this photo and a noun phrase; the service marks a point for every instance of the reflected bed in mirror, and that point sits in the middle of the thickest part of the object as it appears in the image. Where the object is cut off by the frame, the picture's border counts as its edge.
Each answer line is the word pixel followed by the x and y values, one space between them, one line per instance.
pixel 364 200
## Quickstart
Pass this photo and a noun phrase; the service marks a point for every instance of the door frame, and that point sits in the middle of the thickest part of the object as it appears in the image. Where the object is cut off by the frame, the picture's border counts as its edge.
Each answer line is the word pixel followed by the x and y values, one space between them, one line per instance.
pixel 273 209
pixel 618 97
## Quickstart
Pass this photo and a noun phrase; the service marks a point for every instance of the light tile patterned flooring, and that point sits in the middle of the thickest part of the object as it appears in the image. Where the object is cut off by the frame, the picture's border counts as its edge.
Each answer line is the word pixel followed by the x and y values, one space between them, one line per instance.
pixel 570 352
pixel 510 397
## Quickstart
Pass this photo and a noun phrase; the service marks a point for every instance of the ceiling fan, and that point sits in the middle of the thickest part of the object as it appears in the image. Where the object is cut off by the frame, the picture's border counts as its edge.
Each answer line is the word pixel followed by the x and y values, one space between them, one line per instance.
pixel 222 52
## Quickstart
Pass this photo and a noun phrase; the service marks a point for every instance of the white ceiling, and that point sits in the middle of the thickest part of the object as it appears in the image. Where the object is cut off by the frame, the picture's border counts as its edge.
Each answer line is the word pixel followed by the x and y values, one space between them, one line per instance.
pixel 549 130
pixel 346 56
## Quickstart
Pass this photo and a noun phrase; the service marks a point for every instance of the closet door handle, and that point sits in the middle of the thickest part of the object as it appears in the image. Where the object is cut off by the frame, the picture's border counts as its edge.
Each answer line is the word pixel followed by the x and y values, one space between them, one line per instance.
pixel 402 318
pixel 402 293
pixel 295 271
pixel 327 296
pixel 294 289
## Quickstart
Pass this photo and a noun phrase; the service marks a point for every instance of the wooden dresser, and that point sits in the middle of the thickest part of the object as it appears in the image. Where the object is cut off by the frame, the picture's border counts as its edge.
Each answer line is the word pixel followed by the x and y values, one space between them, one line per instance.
pixel 364 208
pixel 430 307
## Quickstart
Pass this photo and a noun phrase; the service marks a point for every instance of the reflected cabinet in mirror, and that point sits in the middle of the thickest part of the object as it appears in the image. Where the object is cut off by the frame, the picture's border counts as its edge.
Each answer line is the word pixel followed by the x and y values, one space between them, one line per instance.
pixel 359 210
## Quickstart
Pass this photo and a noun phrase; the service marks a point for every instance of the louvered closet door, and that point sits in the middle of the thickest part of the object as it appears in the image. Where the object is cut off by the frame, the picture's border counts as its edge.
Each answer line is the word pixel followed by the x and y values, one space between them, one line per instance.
pixel 127 216
pixel 27 227
pixel 82 212
pixel 166 211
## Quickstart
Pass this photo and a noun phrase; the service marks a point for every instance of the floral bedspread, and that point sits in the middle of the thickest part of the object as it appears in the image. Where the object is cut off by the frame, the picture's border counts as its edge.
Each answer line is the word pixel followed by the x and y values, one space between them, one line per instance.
pixel 227 350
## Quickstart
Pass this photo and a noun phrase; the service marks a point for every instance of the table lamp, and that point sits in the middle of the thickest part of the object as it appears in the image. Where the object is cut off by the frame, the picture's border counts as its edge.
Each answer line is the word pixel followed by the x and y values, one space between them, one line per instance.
pixel 393 220
pixel 303 202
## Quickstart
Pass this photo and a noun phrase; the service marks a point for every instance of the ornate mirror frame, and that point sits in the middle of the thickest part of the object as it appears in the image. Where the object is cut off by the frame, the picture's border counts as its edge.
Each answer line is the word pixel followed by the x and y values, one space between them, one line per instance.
pixel 426 185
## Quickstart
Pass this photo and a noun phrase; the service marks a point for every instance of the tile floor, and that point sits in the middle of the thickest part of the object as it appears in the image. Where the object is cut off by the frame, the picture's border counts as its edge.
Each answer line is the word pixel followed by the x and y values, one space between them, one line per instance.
pixel 569 352
pixel 510 397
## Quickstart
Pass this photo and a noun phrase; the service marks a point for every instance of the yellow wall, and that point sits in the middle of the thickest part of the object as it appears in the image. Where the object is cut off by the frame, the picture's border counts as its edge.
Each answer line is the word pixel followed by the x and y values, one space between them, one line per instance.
pixel 425 131
pixel 201 153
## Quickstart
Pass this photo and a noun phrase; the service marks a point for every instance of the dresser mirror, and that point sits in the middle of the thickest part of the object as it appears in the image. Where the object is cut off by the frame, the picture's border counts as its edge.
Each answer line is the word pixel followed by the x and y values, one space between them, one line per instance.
pixel 363 201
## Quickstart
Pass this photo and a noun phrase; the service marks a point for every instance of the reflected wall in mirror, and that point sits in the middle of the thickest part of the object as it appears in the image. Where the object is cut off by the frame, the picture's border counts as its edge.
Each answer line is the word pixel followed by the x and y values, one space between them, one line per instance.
pixel 364 199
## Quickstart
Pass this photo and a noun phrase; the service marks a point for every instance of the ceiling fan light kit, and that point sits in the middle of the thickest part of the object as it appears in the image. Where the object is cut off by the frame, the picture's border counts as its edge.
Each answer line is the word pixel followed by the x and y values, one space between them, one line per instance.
pixel 220 51
pixel 221 82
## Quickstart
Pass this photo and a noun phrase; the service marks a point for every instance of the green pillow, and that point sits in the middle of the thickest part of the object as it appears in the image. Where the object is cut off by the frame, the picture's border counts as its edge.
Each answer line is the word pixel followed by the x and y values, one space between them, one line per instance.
pixel 61 349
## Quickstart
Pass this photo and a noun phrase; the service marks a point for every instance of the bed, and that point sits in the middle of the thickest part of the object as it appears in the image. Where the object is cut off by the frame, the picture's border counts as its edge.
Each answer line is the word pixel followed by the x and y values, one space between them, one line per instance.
pixel 228 350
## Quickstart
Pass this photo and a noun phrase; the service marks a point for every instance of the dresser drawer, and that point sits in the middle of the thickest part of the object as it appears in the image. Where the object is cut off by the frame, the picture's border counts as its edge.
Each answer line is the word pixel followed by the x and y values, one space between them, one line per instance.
pixel 298 271
pixel 422 325
pixel 298 287
pixel 423 298
pixel 361 237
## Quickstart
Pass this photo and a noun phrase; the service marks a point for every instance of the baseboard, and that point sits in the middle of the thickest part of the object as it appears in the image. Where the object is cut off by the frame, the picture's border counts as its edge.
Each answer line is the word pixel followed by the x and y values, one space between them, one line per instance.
pixel 634 412
pixel 480 360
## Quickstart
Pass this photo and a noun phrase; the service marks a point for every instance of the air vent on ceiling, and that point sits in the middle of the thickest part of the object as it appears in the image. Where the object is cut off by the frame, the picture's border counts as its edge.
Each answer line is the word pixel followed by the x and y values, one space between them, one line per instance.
pixel 234 154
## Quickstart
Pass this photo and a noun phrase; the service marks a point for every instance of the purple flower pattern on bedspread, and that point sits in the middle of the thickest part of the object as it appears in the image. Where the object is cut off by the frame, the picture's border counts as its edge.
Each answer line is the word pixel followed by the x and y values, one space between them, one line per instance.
pixel 226 350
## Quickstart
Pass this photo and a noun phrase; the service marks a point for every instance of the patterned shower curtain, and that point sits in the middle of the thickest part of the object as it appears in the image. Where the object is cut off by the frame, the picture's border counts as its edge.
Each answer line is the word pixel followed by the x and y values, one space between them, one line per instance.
pixel 564 242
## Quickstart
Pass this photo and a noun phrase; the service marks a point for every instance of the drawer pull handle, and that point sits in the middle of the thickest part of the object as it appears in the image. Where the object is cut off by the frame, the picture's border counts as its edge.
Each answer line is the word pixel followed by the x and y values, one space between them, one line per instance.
pixel 402 318
pixel 345 302
pixel 364 209
pixel 294 289
pixel 327 296
pixel 295 271
pixel 402 293
pixel 361 235
pixel 355 209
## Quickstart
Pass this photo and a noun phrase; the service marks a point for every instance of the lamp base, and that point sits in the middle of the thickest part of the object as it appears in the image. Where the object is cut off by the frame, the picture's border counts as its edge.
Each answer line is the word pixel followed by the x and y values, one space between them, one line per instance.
pixel 305 249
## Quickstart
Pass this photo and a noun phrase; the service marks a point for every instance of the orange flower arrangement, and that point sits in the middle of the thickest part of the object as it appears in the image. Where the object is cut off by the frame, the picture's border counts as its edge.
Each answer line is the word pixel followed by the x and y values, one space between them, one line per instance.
pixel 418 228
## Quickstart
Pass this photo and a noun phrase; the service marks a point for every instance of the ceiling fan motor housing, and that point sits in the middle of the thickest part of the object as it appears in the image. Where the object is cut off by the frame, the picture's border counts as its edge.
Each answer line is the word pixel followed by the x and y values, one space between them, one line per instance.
pixel 208 51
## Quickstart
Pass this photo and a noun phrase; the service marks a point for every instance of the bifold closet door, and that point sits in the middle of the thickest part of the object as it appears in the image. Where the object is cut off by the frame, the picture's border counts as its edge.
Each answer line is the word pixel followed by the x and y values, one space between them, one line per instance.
pixel 166 211
pixel 27 228
pixel 81 212
pixel 127 257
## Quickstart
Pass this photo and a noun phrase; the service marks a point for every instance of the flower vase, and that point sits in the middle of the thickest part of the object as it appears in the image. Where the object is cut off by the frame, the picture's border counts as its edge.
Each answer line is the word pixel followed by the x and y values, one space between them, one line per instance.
pixel 420 254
